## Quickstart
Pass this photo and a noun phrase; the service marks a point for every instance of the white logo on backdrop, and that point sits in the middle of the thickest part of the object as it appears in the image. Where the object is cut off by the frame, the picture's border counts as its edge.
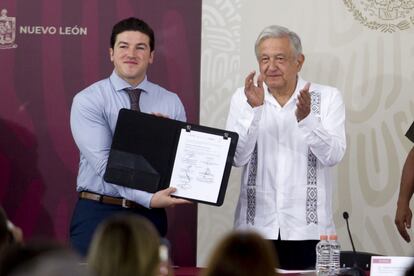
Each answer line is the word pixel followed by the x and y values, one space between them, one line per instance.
pixel 387 16
pixel 7 31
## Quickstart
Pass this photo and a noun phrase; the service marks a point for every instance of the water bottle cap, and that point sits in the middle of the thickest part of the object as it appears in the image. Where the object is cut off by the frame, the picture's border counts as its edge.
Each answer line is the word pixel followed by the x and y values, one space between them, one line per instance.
pixel 324 237
pixel 333 237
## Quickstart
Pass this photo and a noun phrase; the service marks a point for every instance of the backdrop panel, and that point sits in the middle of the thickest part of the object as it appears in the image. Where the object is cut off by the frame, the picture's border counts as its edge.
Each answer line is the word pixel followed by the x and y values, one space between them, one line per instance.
pixel 50 50
pixel 363 47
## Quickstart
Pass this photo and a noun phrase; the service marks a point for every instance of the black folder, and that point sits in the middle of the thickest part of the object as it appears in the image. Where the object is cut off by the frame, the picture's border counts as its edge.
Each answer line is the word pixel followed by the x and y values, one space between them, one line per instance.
pixel 144 148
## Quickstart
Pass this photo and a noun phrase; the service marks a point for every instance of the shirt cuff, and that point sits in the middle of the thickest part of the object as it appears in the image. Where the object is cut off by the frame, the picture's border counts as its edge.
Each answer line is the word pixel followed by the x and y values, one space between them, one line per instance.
pixel 143 198
pixel 249 116
pixel 257 110
pixel 309 123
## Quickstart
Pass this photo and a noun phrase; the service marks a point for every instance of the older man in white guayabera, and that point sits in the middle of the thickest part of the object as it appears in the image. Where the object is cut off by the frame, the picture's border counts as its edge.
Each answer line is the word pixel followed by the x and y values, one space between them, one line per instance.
pixel 291 132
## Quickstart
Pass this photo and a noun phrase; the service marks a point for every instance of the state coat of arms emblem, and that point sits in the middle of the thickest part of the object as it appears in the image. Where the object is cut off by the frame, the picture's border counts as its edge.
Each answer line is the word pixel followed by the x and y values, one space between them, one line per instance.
pixel 7 31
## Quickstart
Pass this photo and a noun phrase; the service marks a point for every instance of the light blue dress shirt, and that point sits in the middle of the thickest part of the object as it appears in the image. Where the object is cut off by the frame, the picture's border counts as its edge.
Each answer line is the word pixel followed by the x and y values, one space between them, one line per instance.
pixel 93 119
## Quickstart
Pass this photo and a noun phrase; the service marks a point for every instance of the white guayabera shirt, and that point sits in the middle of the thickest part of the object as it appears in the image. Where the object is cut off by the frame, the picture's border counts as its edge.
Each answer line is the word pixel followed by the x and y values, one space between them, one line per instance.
pixel 286 183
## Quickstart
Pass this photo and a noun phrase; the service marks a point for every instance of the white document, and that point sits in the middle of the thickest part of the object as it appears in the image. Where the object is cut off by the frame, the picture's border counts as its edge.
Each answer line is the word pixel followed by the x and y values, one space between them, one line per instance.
pixel 199 165
pixel 390 266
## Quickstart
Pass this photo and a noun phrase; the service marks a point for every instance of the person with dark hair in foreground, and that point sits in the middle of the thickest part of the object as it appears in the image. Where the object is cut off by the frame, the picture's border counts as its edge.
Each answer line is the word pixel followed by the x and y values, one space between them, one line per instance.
pixel 9 233
pixel 242 254
pixel 41 258
pixel 93 119
pixel 410 270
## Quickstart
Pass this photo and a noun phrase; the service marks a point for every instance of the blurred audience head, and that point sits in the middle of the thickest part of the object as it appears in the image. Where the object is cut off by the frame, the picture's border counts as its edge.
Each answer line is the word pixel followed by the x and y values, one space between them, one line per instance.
pixel 9 233
pixel 242 254
pixel 410 270
pixel 125 245
pixel 40 259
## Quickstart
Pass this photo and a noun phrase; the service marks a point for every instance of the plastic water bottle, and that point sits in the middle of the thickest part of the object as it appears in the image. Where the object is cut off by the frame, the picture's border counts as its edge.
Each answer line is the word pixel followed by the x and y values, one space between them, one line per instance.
pixel 164 260
pixel 335 255
pixel 323 256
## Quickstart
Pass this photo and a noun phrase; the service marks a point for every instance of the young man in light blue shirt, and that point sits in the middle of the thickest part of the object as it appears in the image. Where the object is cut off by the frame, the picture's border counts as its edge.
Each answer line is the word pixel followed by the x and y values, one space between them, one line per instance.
pixel 93 118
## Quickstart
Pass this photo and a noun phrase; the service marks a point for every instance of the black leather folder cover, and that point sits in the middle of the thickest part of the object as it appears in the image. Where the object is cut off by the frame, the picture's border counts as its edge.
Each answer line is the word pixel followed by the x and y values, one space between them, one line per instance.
pixel 143 151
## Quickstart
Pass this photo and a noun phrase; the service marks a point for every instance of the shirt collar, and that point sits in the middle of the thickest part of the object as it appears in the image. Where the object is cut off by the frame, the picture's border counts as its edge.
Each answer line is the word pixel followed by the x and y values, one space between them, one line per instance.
pixel 299 86
pixel 120 84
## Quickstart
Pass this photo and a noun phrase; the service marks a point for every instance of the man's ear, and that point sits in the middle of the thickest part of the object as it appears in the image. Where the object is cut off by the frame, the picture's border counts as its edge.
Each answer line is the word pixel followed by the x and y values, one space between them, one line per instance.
pixel 299 61
pixel 151 58
pixel 111 54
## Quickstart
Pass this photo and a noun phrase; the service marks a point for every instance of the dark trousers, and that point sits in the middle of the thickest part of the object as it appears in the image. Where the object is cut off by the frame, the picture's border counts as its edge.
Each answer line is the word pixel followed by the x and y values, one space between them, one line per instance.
pixel 88 214
pixel 296 255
